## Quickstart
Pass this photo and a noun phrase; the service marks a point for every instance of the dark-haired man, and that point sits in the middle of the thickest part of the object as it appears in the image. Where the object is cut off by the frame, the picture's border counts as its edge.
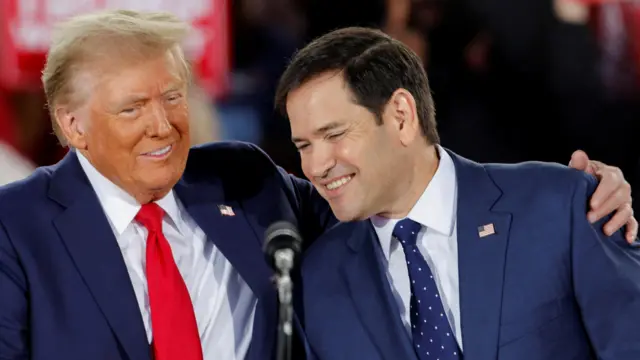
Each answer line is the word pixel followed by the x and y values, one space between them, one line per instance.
pixel 439 256
pixel 136 246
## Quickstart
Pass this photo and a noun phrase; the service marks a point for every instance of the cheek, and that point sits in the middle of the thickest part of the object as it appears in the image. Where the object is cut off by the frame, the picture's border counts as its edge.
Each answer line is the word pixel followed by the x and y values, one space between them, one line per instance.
pixel 119 143
pixel 351 155
pixel 344 149
pixel 179 119
pixel 305 164
pixel 127 137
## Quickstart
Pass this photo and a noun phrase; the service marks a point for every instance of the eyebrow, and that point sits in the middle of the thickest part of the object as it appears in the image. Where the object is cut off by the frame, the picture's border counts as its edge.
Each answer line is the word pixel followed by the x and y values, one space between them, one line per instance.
pixel 141 98
pixel 133 99
pixel 320 131
pixel 172 88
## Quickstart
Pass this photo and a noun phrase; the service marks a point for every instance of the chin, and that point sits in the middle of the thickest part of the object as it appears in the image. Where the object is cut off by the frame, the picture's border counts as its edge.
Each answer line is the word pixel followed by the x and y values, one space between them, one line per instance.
pixel 347 215
pixel 161 180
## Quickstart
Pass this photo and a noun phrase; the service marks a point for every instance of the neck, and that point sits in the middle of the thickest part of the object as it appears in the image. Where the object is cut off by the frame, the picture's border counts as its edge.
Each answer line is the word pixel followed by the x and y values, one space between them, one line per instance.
pixel 148 197
pixel 422 171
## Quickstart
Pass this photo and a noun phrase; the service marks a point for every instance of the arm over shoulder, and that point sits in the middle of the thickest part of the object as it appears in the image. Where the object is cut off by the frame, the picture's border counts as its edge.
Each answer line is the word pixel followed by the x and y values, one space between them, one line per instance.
pixel 314 213
pixel 606 277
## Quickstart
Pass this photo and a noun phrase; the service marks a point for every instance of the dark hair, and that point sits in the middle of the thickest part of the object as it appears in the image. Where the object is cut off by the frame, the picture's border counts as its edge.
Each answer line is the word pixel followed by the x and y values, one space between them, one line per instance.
pixel 373 65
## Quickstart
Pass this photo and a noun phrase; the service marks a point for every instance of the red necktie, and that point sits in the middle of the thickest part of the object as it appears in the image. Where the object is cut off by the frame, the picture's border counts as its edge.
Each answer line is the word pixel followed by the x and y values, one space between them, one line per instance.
pixel 173 322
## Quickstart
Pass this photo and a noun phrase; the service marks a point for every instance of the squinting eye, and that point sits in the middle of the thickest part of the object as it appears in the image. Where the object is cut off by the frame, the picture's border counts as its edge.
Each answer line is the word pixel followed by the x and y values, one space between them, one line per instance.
pixel 129 110
pixel 174 98
pixel 302 147
pixel 335 136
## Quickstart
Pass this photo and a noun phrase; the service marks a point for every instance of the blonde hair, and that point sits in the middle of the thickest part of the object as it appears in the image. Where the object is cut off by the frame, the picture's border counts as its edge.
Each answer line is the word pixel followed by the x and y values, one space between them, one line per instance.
pixel 110 35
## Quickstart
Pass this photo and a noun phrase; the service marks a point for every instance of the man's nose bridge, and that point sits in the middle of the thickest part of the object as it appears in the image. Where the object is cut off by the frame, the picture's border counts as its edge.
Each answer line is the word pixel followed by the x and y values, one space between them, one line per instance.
pixel 159 118
pixel 321 160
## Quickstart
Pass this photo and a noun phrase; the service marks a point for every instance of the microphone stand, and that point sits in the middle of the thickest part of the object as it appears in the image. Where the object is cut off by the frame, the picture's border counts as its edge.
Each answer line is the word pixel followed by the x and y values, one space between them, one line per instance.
pixel 283 260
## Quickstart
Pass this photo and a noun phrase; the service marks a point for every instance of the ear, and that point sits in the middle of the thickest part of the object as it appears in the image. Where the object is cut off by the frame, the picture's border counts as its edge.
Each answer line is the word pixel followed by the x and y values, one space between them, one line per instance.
pixel 72 127
pixel 401 113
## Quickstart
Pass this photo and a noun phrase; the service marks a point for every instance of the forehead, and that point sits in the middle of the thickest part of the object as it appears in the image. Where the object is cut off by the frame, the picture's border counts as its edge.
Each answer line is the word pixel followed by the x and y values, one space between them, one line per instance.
pixel 146 76
pixel 321 100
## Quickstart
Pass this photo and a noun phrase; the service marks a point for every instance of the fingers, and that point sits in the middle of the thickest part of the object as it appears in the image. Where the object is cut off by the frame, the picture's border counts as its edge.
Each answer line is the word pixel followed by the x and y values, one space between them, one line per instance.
pixel 579 160
pixel 624 216
pixel 632 230
pixel 612 186
pixel 613 195
pixel 619 219
pixel 596 166
pixel 615 201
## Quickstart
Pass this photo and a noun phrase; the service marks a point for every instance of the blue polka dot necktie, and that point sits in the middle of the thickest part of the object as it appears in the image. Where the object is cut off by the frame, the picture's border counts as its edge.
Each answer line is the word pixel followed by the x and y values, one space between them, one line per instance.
pixel 432 335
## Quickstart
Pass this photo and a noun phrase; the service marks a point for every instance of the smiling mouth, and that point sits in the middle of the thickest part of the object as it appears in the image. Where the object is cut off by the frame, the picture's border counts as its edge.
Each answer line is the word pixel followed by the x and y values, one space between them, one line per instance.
pixel 337 184
pixel 160 153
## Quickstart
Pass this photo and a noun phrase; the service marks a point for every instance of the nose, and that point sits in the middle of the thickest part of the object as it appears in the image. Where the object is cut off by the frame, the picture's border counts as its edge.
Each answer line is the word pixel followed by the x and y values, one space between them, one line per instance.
pixel 318 162
pixel 159 122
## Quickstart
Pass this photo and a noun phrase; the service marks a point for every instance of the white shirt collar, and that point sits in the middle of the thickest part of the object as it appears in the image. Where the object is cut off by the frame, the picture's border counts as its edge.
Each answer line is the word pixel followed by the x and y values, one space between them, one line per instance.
pixel 120 207
pixel 435 208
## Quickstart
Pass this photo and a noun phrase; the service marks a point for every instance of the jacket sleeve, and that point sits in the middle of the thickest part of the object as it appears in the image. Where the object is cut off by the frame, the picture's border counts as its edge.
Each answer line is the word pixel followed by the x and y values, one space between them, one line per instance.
pixel 313 213
pixel 14 328
pixel 606 278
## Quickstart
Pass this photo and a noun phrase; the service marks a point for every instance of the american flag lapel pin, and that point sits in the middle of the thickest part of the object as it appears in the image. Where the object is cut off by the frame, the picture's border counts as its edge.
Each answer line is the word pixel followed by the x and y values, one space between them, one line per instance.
pixel 486 230
pixel 226 210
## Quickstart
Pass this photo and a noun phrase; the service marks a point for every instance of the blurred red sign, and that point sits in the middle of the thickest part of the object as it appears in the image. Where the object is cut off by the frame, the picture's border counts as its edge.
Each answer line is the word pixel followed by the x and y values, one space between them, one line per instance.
pixel 25 30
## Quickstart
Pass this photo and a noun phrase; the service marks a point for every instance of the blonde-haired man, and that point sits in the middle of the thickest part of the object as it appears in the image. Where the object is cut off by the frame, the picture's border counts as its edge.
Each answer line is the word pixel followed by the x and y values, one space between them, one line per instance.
pixel 135 246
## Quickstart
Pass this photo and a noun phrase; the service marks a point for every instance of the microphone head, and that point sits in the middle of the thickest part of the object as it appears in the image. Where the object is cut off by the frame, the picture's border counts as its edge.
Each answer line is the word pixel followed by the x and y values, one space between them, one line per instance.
pixel 281 235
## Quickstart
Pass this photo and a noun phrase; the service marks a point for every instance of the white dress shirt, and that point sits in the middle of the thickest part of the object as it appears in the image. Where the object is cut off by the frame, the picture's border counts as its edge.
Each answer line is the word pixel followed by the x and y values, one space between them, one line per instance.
pixel 437 241
pixel 224 304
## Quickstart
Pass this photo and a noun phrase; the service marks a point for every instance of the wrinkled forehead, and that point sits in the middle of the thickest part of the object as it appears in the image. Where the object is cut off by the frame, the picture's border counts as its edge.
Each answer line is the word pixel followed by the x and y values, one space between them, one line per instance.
pixel 150 74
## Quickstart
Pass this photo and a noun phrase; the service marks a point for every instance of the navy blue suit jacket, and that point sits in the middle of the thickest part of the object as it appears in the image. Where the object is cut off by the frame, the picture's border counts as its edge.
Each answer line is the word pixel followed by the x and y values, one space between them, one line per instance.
pixel 547 285
pixel 64 289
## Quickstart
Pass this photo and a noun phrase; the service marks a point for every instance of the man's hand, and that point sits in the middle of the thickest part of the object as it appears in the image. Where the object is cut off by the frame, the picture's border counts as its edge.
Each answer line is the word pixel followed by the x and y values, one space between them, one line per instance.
pixel 612 194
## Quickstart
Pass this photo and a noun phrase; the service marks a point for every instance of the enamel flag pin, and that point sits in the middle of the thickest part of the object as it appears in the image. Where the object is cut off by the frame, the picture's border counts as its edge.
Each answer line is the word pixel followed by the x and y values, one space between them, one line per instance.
pixel 486 230
pixel 226 210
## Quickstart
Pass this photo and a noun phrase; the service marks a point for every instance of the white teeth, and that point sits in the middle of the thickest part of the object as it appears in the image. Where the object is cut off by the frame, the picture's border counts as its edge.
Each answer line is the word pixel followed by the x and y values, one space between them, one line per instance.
pixel 160 152
pixel 336 184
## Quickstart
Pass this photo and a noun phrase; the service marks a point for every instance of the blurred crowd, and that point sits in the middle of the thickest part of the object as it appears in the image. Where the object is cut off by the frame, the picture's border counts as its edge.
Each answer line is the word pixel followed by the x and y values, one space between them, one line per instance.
pixel 512 80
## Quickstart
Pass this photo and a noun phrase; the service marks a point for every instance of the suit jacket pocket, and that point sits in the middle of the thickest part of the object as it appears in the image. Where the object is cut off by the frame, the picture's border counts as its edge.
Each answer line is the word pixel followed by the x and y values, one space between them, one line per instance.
pixel 517 325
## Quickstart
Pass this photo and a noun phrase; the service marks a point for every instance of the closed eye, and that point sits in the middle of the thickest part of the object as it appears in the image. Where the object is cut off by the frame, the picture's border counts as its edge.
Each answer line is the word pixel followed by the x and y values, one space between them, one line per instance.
pixel 335 136
pixel 174 98
pixel 130 110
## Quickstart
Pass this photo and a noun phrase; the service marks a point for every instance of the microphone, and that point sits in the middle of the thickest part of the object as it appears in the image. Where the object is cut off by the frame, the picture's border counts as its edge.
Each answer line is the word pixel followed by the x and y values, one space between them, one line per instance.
pixel 282 247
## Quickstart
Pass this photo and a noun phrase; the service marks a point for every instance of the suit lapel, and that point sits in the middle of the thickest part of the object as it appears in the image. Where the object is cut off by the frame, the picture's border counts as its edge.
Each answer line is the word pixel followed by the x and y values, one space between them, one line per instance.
pixel 86 233
pixel 85 230
pixel 371 294
pixel 481 258
pixel 237 239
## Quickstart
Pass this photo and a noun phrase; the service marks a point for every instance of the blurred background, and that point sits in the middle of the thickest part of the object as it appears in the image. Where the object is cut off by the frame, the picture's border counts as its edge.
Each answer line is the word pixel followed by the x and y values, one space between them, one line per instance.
pixel 513 80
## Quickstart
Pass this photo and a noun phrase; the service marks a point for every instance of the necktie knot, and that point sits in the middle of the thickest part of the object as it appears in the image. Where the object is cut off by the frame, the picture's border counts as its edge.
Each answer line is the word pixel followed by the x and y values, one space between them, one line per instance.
pixel 406 230
pixel 150 216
